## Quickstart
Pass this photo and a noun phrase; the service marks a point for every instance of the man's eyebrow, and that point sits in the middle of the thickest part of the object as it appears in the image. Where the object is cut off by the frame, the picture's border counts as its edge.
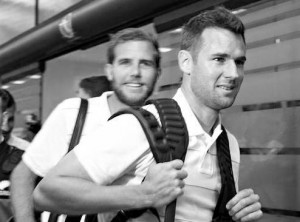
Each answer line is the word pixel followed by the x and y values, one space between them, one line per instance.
pixel 242 58
pixel 147 60
pixel 225 55
pixel 220 54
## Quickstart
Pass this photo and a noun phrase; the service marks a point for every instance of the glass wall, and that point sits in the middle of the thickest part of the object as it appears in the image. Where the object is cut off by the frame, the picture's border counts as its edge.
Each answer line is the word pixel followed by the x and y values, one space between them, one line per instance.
pixel 266 115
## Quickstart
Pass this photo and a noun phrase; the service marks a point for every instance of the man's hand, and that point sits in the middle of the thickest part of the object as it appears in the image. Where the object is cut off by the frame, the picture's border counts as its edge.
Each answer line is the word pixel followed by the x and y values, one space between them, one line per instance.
pixel 245 206
pixel 164 182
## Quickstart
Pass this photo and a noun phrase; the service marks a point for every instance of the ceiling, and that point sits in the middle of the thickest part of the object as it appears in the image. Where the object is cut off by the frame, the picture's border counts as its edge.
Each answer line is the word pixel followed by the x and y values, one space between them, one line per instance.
pixel 17 16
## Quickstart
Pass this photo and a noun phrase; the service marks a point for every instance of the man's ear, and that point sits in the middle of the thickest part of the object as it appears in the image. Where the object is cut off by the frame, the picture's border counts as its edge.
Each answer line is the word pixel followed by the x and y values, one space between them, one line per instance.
pixel 108 71
pixel 185 61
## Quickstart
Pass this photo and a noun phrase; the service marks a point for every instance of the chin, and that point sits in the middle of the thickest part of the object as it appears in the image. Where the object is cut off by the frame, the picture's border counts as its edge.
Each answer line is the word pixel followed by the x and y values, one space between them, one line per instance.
pixel 224 104
pixel 134 101
pixel 227 105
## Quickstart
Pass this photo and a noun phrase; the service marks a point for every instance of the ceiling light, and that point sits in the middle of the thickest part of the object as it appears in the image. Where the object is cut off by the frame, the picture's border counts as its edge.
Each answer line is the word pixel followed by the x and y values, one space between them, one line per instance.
pixel 238 11
pixel 165 49
pixel 19 82
pixel 178 30
pixel 35 76
pixel 5 87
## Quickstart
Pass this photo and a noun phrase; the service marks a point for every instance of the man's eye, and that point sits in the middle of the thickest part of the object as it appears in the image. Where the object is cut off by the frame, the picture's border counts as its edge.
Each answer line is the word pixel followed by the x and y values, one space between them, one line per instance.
pixel 219 59
pixel 124 62
pixel 148 63
pixel 240 62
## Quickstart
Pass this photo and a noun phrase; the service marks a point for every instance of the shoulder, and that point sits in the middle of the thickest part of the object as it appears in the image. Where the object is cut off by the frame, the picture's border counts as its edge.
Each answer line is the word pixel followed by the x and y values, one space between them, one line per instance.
pixel 71 103
pixel 97 101
pixel 100 99
pixel 18 142
pixel 98 107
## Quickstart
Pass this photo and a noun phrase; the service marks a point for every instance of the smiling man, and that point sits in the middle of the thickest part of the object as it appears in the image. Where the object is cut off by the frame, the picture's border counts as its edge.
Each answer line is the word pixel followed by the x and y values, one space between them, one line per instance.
pixel 133 68
pixel 133 78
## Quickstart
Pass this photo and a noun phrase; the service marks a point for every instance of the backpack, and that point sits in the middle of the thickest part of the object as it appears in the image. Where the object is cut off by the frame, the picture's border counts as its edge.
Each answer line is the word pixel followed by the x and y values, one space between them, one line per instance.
pixel 167 142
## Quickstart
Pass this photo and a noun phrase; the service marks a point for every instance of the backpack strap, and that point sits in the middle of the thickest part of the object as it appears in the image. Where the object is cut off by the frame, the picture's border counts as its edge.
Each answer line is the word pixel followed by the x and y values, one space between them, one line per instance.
pixel 176 135
pixel 79 124
pixel 167 142
pixel 73 142
pixel 174 127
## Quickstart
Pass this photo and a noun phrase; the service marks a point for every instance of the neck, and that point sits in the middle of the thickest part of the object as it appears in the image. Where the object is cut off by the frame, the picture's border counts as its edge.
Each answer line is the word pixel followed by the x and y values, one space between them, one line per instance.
pixel 115 104
pixel 206 116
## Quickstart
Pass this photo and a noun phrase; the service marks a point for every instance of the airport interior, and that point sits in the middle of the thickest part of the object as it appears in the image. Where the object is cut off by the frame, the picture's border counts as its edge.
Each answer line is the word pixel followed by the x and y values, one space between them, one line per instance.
pixel 41 66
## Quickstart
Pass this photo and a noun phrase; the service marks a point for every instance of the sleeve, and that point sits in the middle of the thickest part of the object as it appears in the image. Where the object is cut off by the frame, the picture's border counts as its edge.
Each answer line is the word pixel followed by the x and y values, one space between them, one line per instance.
pixel 118 148
pixel 51 143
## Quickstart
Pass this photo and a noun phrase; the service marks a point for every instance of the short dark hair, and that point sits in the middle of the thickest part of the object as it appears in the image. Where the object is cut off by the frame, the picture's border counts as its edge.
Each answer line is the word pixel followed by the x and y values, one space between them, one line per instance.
pixel 95 85
pixel 131 34
pixel 218 17
pixel 8 100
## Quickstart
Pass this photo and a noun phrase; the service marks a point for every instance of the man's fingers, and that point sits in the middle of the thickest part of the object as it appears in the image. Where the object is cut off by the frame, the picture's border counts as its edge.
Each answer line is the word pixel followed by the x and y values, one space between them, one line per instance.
pixel 245 206
pixel 244 203
pixel 252 216
pixel 249 213
pixel 176 164
pixel 239 196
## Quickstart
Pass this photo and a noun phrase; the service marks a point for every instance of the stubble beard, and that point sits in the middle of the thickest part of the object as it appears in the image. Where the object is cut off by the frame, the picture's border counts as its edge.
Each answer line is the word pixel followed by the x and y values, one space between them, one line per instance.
pixel 137 101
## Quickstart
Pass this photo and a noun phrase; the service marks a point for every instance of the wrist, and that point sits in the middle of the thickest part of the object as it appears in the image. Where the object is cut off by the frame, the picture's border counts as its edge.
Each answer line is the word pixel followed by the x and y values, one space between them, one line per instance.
pixel 147 198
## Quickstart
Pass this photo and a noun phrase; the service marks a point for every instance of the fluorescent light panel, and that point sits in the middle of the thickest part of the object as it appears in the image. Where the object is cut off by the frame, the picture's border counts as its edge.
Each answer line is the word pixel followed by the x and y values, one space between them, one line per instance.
pixel 165 49
pixel 18 82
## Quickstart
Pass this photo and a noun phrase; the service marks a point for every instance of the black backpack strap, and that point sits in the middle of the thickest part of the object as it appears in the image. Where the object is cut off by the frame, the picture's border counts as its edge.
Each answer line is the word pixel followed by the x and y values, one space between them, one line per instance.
pixel 176 135
pixel 73 142
pixel 174 127
pixel 228 189
pixel 154 133
pixel 79 124
pixel 167 142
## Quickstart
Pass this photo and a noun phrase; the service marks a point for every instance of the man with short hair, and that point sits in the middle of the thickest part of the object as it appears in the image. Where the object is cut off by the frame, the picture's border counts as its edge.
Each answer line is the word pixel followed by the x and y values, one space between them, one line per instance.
pixel 93 178
pixel 133 68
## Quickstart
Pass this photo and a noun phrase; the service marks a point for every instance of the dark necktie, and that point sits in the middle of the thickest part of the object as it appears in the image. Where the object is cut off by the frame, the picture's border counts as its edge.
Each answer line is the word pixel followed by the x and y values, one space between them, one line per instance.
pixel 228 190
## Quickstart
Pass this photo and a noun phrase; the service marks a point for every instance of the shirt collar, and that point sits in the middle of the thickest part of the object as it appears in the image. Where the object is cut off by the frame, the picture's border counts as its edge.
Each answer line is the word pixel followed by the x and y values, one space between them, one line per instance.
pixel 193 125
pixel 105 110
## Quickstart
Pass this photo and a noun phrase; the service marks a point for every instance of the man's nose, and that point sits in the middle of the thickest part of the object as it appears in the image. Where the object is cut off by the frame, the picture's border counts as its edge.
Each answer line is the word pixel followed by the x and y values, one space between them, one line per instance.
pixel 232 70
pixel 136 70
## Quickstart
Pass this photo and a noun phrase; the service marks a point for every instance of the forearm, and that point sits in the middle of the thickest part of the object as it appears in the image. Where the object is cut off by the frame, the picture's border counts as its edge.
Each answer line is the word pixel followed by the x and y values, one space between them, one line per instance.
pixel 79 196
pixel 22 185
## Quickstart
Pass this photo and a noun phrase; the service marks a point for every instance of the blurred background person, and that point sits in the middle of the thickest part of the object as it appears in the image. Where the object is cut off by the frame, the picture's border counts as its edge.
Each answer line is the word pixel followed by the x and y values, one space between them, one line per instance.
pixel 33 126
pixel 8 121
pixel 11 150
pixel 93 86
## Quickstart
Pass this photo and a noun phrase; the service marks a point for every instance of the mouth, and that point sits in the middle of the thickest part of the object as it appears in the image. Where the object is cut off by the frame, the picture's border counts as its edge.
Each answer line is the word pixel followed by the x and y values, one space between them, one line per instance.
pixel 227 87
pixel 134 85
